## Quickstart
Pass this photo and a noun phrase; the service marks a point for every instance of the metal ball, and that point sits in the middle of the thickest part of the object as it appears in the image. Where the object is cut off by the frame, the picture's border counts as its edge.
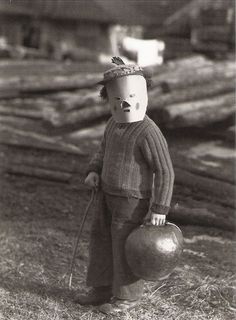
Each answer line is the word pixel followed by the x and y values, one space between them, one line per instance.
pixel 152 252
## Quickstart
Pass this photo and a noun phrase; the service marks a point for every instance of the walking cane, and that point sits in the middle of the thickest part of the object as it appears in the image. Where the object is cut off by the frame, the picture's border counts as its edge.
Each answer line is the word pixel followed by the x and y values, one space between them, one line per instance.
pixel 79 235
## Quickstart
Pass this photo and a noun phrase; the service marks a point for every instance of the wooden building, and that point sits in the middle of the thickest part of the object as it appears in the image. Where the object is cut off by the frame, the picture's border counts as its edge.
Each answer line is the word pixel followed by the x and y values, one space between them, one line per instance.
pixel 50 24
pixel 207 26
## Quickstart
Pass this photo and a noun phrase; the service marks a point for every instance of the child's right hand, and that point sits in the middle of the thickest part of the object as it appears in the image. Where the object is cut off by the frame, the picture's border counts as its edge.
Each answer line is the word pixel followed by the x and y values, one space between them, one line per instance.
pixel 92 180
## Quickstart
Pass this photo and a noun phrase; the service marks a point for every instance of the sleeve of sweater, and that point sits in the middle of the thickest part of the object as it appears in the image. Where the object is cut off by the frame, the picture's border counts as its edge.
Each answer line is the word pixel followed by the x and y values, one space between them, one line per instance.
pixel 96 162
pixel 155 151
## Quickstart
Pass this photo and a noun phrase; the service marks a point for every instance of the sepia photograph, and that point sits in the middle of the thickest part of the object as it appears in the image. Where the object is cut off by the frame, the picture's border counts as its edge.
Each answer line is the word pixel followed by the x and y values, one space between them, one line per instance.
pixel 117 160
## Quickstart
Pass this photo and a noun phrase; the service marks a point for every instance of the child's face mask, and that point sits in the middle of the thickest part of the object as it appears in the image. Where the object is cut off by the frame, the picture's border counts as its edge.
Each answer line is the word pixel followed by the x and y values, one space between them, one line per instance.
pixel 128 98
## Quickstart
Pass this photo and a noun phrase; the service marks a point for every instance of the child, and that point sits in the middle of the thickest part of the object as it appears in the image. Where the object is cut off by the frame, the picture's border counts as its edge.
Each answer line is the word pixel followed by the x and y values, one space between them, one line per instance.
pixel 133 155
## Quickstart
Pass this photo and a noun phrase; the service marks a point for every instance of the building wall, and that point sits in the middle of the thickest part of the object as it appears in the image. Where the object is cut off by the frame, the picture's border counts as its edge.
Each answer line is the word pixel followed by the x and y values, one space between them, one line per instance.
pixel 11 28
pixel 93 35
pixel 57 34
pixel 70 35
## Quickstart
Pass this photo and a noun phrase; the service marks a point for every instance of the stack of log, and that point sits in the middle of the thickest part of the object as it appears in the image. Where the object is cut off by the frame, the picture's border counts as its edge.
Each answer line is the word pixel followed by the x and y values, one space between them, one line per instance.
pixel 204 190
pixel 182 96
pixel 192 92
pixel 188 92
pixel 194 96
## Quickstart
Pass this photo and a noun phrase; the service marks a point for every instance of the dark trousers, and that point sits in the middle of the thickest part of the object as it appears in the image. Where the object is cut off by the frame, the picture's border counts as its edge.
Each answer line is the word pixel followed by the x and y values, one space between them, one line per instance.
pixel 114 219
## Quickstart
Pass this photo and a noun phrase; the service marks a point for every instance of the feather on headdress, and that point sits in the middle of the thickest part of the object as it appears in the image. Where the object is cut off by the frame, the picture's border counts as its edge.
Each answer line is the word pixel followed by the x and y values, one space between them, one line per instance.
pixel 117 60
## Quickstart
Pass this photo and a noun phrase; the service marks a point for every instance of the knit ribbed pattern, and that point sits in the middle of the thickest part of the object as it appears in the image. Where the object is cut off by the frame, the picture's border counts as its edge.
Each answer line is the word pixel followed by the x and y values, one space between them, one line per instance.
pixel 131 157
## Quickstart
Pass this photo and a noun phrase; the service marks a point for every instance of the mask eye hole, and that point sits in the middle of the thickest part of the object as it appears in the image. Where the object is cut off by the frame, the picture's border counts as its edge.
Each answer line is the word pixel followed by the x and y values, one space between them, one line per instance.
pixel 117 98
pixel 132 95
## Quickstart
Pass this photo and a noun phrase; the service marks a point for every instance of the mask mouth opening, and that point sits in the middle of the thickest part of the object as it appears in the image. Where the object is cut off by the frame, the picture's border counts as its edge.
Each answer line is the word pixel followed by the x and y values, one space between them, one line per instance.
pixel 125 106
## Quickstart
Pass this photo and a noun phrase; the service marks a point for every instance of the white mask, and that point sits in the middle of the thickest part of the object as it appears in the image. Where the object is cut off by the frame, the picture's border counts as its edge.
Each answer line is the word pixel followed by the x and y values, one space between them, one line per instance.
pixel 128 98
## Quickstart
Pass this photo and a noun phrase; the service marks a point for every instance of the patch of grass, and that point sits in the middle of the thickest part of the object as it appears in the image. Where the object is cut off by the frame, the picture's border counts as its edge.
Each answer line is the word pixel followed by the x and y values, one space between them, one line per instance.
pixel 37 234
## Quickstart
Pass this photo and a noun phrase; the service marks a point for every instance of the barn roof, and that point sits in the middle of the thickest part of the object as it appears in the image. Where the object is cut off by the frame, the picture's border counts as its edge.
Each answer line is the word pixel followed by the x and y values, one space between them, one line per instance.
pixel 129 12
pixel 186 15
pixel 192 9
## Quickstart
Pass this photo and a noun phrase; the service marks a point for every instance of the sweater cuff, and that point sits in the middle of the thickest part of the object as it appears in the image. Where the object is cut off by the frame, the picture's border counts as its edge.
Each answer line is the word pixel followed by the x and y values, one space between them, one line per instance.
pixel 159 209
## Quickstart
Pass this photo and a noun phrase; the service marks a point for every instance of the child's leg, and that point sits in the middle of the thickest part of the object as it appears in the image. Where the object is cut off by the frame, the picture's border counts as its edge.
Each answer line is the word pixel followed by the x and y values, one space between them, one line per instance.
pixel 127 214
pixel 100 269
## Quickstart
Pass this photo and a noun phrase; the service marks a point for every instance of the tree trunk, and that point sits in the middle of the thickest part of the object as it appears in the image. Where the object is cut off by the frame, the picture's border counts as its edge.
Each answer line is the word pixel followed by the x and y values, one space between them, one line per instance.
pixel 221 192
pixel 187 77
pixel 67 101
pixel 78 117
pixel 204 165
pixel 157 100
pixel 74 108
pixel 190 62
pixel 15 156
pixel 200 112
pixel 12 136
pixel 200 212
pixel 6 109
pixel 9 93
pixel 50 84
pixel 36 172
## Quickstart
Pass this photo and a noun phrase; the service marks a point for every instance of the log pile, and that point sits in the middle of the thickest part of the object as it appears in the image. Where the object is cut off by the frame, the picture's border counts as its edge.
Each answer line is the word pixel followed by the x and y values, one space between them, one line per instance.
pixel 187 92
pixel 176 95
pixel 48 131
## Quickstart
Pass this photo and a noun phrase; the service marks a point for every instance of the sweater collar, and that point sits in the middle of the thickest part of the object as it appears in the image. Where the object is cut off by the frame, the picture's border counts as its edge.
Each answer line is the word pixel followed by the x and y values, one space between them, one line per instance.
pixel 127 124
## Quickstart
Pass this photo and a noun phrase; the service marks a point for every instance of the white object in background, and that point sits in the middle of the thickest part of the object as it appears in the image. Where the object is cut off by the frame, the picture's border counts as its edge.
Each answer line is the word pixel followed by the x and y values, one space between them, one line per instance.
pixel 149 52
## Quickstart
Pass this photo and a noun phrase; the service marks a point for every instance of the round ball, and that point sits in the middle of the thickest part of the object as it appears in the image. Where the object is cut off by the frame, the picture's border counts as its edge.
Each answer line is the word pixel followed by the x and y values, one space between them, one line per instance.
pixel 152 252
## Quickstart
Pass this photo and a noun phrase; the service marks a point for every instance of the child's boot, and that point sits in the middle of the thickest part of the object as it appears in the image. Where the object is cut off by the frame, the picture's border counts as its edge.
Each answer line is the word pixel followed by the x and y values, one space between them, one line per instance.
pixel 96 296
pixel 118 305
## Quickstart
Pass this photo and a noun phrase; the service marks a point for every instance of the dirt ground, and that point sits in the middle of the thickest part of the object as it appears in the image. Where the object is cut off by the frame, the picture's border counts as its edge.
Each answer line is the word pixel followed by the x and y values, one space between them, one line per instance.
pixel 38 224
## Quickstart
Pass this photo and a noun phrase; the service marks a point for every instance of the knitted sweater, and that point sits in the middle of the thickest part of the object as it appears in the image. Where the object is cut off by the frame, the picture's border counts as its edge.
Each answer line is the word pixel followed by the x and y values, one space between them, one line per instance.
pixel 131 157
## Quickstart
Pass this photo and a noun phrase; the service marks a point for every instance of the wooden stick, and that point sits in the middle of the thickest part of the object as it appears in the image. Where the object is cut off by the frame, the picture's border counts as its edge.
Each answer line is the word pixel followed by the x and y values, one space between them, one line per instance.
pixel 78 236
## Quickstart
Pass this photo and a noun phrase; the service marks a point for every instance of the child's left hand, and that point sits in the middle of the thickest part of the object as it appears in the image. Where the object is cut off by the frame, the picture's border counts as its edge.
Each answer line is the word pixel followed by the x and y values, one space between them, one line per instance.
pixel 158 219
